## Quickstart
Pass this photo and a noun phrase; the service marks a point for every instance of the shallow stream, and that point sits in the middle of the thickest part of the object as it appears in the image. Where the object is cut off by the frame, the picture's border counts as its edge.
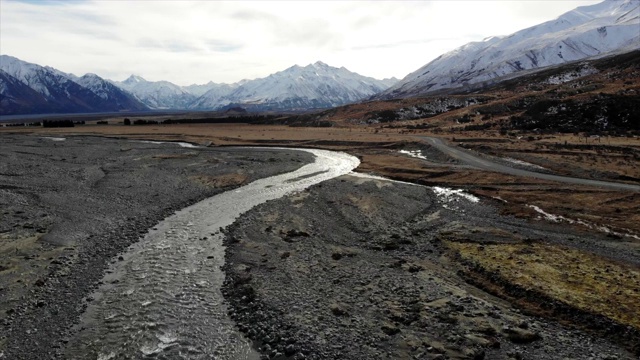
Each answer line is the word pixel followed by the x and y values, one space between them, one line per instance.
pixel 162 298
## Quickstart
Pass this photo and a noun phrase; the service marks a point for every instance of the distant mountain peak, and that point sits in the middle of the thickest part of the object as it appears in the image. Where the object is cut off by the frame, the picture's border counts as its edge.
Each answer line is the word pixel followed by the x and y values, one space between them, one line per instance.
pixel 134 79
pixel 90 75
pixel 313 86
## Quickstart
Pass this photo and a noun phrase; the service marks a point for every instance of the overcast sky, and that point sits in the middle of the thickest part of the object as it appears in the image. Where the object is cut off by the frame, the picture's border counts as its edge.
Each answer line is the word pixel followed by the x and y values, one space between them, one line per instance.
pixel 188 42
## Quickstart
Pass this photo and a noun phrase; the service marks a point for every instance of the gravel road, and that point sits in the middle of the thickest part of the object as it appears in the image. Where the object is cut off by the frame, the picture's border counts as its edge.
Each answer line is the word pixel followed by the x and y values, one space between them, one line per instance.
pixel 484 164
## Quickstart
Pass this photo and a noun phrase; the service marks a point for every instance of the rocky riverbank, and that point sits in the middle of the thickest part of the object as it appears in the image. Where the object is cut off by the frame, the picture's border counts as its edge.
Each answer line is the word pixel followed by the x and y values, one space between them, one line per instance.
pixel 360 268
pixel 70 205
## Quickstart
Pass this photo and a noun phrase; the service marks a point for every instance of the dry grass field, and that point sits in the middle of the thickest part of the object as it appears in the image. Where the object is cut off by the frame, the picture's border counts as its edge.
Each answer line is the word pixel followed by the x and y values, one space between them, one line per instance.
pixel 585 281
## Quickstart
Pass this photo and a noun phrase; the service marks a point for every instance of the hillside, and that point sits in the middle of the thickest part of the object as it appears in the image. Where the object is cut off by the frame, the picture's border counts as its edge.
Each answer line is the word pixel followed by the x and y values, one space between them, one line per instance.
pixel 589 31
pixel 594 96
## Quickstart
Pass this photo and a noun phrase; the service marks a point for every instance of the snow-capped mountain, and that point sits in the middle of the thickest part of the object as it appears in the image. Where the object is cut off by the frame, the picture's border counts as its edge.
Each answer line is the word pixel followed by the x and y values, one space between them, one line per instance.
pixel 296 88
pixel 110 93
pixel 18 98
pixel 46 82
pixel 608 27
pixel 55 92
pixel 212 98
pixel 157 94
pixel 199 90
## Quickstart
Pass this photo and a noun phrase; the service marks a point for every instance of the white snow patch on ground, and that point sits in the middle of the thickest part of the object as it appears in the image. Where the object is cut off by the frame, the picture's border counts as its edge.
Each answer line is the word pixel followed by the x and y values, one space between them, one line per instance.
pixel 187 145
pixel 376 177
pixel 54 138
pixel 559 218
pixel 414 153
pixel 151 142
pixel 550 217
pixel 448 195
pixel 524 163
pixel 569 76
pixel 182 144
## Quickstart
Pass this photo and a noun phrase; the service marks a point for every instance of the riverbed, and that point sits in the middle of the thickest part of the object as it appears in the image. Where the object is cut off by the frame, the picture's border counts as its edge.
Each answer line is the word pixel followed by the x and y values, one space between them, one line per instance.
pixel 354 267
pixel 162 296
pixel 72 205
pixel 365 268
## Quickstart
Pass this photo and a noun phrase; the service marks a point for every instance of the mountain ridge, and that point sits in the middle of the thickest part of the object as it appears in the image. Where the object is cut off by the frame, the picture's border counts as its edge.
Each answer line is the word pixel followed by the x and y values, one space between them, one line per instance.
pixel 316 85
pixel 156 94
pixel 56 92
pixel 296 88
pixel 587 31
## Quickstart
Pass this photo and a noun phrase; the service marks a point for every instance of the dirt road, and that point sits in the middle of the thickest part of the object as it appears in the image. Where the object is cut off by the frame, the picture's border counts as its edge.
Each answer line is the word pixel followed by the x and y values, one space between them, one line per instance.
pixel 484 164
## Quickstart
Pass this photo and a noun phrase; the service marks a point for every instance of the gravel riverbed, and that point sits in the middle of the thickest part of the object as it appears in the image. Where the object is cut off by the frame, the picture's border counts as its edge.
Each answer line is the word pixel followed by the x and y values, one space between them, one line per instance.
pixel 69 206
pixel 352 268
pixel 358 268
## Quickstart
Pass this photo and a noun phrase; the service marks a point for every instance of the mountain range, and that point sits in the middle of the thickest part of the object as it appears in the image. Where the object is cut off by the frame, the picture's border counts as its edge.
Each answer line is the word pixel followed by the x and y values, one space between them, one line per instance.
pixel 612 26
pixel 314 86
pixel 587 31
pixel 158 94
pixel 27 88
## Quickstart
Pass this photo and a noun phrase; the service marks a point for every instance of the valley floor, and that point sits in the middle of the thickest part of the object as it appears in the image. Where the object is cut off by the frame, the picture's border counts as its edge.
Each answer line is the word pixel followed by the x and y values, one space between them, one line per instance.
pixel 354 267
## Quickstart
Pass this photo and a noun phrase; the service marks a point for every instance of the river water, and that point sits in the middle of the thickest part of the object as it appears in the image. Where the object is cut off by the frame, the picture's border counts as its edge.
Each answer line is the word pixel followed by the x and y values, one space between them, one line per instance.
pixel 162 298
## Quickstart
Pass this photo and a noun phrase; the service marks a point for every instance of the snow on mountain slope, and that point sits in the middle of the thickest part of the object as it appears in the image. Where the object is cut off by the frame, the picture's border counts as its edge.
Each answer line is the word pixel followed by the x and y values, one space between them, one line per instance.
pixel 588 31
pixel 313 86
pixel 109 93
pixel 44 81
pixel 157 94
pixel 199 90
pixel 58 92
pixel 213 97
pixel 69 76
pixel 18 98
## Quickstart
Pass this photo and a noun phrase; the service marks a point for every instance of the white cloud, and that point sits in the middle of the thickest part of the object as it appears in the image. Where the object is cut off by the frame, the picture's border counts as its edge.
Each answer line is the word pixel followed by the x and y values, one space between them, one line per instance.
pixel 197 41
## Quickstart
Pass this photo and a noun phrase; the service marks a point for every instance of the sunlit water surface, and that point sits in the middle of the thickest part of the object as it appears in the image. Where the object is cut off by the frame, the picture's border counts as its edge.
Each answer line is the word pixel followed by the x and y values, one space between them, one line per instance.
pixel 162 299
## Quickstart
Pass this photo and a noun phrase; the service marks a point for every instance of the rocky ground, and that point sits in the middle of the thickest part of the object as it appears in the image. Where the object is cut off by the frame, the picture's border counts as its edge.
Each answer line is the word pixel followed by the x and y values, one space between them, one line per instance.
pixel 353 268
pixel 368 269
pixel 69 206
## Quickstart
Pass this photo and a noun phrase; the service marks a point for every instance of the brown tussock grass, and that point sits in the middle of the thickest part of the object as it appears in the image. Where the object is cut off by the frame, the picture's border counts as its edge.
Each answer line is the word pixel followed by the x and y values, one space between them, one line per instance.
pixel 581 280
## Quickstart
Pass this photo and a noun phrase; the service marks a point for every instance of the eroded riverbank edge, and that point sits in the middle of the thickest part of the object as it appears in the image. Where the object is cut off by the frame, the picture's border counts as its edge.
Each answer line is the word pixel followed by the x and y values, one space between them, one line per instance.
pixel 356 268
pixel 71 206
